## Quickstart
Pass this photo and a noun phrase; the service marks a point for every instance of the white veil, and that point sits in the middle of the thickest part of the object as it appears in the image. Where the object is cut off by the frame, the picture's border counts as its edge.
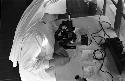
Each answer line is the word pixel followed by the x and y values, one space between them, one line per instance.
pixel 31 15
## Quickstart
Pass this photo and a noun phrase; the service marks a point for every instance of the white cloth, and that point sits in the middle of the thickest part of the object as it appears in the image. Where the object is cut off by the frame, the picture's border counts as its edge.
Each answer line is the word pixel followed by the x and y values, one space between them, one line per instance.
pixel 58 7
pixel 31 48
pixel 39 75
pixel 28 44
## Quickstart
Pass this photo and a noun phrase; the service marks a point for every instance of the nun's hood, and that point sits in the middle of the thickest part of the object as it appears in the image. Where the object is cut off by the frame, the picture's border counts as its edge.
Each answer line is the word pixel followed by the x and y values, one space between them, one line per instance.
pixel 33 14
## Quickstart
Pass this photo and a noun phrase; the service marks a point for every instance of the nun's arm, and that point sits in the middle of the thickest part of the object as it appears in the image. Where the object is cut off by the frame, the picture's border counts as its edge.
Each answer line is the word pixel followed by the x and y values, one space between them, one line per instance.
pixel 58 61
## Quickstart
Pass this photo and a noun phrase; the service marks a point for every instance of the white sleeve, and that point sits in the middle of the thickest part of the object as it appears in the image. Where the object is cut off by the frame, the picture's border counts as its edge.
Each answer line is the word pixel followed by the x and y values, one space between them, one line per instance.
pixel 30 51
pixel 45 46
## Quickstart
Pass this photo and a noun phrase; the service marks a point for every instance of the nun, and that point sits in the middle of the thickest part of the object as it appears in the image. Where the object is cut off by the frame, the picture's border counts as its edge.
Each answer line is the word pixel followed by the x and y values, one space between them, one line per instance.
pixel 33 44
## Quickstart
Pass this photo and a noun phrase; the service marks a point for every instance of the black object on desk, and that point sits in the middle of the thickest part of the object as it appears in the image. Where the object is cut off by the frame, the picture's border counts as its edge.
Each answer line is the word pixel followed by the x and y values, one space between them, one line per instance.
pixel 115 47
pixel 84 39
pixel 78 78
pixel 65 35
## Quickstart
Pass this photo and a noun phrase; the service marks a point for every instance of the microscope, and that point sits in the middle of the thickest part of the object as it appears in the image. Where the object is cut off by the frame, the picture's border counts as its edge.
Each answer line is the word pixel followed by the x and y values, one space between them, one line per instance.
pixel 65 34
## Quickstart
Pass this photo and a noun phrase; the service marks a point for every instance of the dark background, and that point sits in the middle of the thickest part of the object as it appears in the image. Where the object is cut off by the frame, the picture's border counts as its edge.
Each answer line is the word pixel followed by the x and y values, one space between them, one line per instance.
pixel 11 11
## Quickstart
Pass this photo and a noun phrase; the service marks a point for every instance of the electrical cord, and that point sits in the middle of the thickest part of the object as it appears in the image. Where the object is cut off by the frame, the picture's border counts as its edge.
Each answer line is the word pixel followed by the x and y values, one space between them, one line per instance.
pixel 101 51
pixel 97 31
pixel 102 29
pixel 90 42
pixel 108 73
pixel 93 37
pixel 100 23
pixel 102 59
pixel 100 40
pixel 107 23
